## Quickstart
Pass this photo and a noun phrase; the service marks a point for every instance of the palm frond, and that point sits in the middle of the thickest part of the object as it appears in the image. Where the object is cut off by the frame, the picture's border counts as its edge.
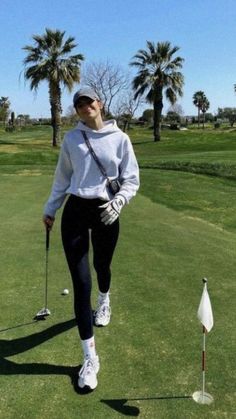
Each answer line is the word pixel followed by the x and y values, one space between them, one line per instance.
pixel 173 50
pixel 171 95
pixel 152 48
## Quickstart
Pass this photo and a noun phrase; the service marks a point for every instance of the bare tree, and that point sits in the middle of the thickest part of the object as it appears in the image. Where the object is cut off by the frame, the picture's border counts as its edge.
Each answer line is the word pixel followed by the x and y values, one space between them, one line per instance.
pixel 108 81
pixel 176 108
pixel 126 107
pixel 131 104
pixel 71 115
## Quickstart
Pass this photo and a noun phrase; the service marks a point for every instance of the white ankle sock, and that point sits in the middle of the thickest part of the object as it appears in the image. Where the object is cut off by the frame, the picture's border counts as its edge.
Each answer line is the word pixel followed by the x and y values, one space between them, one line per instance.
pixel 88 346
pixel 104 297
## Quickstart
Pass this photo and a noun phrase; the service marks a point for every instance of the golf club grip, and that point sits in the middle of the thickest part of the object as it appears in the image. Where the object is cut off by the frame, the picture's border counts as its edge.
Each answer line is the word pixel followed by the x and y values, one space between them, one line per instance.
pixel 47 238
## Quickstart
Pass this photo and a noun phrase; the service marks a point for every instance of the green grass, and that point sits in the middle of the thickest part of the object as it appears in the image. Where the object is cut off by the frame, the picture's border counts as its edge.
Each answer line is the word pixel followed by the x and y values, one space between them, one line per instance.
pixel 179 228
pixel 209 199
pixel 208 152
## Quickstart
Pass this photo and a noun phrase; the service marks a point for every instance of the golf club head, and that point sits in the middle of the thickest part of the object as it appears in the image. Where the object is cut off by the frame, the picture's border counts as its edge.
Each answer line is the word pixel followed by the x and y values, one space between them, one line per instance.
pixel 42 314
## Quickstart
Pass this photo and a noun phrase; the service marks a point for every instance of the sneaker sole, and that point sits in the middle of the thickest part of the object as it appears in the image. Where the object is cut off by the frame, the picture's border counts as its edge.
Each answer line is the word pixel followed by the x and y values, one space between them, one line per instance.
pixel 101 325
pixel 87 388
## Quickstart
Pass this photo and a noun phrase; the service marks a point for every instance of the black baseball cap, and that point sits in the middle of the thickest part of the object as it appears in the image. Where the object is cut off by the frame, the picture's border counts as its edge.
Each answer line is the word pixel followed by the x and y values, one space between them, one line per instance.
pixel 85 92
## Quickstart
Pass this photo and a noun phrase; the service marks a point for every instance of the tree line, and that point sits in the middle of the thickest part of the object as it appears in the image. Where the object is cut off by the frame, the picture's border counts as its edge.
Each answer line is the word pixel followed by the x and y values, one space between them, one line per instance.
pixel 51 59
pixel 8 117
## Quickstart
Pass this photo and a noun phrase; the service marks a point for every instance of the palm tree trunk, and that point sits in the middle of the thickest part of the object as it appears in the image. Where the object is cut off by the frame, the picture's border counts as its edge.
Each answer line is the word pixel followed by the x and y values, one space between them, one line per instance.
pixel 198 117
pixel 158 105
pixel 55 102
pixel 203 120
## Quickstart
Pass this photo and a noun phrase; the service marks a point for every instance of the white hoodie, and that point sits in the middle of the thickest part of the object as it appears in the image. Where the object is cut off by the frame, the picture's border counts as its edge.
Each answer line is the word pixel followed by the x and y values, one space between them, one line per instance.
pixel 77 173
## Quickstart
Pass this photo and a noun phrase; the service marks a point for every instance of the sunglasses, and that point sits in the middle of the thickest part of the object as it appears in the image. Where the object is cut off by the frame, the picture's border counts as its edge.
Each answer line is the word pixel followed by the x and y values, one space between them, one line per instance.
pixel 83 102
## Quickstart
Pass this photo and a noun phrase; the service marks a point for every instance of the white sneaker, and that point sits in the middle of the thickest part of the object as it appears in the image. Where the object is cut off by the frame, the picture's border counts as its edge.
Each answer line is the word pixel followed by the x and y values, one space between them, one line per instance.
pixel 88 373
pixel 102 314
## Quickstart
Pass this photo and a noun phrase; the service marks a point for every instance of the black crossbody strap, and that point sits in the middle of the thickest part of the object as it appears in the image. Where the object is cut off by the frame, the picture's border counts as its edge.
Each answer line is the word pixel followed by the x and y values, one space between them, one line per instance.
pixel 95 157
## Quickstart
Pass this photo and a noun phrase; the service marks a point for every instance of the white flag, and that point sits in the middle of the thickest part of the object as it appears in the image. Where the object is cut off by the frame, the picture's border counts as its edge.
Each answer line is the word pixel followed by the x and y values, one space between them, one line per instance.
pixel 204 313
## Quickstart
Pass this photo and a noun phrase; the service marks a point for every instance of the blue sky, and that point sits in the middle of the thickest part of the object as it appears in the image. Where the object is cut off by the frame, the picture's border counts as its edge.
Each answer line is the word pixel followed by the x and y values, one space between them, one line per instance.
pixel 205 31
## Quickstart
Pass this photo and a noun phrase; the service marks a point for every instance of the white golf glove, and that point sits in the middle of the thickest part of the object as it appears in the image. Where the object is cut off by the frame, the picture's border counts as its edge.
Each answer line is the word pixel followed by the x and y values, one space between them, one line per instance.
pixel 112 209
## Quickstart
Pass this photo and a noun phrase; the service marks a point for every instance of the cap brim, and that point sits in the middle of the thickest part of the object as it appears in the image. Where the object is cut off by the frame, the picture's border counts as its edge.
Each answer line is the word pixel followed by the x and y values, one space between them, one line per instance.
pixel 82 96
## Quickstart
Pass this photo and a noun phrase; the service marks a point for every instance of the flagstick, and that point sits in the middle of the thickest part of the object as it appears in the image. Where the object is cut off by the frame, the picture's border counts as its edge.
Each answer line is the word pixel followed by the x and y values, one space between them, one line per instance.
pixel 203 360
pixel 202 397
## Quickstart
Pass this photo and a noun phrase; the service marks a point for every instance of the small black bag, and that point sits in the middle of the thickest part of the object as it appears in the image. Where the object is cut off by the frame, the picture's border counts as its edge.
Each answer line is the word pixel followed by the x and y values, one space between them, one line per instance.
pixel 112 184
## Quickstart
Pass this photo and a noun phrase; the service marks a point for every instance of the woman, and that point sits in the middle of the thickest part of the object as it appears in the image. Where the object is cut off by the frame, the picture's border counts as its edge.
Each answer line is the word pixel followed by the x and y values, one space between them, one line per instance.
pixel 91 206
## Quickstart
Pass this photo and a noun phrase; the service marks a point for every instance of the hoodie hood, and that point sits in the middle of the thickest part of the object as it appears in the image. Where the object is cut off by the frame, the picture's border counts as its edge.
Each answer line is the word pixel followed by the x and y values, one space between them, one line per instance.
pixel 109 127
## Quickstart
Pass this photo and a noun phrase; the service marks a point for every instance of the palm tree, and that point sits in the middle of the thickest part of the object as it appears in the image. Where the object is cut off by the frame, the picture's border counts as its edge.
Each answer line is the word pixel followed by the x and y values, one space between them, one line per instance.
pixel 204 108
pixel 158 74
pixel 49 59
pixel 198 99
pixel 4 108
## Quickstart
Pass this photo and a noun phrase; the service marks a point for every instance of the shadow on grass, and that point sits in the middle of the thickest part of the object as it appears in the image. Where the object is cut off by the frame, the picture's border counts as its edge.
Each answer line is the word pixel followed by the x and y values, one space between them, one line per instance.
pixel 119 405
pixel 13 347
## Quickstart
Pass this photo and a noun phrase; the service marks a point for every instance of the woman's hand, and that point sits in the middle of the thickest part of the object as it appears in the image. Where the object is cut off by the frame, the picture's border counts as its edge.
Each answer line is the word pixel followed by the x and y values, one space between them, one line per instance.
pixel 112 210
pixel 48 221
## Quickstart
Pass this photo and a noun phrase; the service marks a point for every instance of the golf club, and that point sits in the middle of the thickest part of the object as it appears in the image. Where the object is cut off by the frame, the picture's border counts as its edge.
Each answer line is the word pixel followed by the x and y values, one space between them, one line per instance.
pixel 44 312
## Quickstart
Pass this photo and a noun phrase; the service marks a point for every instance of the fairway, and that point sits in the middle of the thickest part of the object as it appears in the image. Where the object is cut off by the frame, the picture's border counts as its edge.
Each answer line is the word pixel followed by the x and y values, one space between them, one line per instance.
pixel 179 229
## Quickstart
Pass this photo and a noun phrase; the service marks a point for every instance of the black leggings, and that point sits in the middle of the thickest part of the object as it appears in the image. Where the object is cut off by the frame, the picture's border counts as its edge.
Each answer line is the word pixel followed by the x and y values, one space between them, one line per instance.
pixel 80 215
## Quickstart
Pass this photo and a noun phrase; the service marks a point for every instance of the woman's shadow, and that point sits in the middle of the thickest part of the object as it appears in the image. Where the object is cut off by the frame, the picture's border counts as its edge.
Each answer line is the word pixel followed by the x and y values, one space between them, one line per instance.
pixel 13 347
